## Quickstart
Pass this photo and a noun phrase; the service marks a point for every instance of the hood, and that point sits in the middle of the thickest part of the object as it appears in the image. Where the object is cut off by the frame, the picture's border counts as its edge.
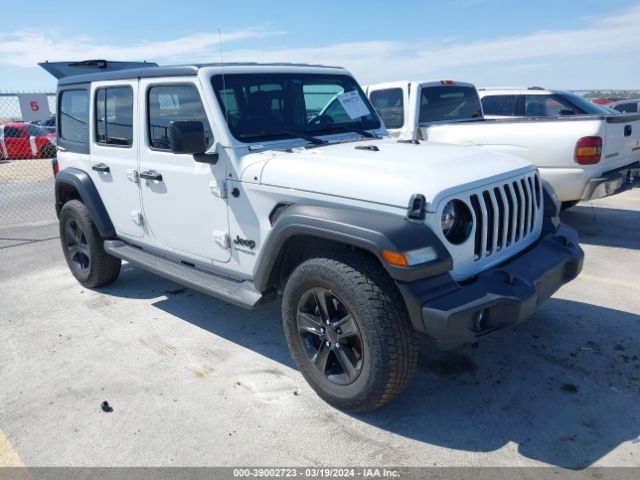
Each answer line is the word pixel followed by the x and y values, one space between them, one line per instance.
pixel 384 171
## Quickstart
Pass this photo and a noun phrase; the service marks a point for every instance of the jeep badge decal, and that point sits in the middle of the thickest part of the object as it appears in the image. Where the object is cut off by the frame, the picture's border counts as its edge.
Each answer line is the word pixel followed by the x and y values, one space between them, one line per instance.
pixel 245 243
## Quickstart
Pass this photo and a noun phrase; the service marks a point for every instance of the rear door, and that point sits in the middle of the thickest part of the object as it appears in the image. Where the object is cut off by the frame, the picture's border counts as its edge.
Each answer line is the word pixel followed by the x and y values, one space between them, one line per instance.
pixel 17 143
pixel 114 153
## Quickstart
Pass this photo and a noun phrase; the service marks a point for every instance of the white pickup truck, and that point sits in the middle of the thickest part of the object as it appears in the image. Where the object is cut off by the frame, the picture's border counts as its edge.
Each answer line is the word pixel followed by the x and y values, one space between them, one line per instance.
pixel 581 149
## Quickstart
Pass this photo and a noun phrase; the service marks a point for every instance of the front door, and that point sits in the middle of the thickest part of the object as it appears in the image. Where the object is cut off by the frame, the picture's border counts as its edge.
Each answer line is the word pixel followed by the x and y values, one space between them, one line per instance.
pixel 183 201
pixel 17 143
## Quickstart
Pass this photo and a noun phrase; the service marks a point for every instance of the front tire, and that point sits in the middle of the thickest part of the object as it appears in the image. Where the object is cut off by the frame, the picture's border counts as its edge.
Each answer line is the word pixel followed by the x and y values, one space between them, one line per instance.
pixel 83 247
pixel 348 331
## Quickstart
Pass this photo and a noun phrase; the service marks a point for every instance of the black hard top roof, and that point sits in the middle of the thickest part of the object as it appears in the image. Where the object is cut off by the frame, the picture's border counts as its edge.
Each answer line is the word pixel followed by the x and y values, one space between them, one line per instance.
pixel 69 73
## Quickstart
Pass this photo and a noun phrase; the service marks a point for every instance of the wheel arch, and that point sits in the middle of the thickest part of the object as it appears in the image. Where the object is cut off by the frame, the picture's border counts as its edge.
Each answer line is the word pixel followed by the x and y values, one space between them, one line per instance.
pixel 73 183
pixel 303 229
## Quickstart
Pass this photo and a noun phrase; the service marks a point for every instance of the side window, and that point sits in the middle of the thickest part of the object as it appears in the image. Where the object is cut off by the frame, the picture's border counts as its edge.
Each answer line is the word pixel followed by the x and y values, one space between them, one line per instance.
pixel 502 105
pixel 627 107
pixel 11 132
pixel 390 104
pixel 74 115
pixel 114 116
pixel 548 106
pixel 172 103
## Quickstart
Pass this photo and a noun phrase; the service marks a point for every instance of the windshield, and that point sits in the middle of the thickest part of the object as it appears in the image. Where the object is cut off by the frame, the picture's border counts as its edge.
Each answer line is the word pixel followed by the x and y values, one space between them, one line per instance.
pixel 584 104
pixel 35 130
pixel 444 103
pixel 275 106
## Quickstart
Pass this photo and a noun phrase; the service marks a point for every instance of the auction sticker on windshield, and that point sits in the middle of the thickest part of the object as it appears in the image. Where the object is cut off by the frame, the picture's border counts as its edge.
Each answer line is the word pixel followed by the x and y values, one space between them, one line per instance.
pixel 353 104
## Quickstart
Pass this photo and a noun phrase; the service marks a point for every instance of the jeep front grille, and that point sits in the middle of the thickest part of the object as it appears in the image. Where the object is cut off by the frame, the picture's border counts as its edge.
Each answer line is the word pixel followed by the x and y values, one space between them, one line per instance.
pixel 506 214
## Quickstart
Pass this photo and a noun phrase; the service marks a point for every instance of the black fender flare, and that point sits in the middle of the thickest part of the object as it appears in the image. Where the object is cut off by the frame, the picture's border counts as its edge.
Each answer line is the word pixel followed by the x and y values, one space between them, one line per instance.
pixel 365 229
pixel 81 182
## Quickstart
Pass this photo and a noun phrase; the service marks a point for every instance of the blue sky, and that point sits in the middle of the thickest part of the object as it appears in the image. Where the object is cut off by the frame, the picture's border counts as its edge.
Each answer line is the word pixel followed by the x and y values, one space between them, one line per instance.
pixel 558 44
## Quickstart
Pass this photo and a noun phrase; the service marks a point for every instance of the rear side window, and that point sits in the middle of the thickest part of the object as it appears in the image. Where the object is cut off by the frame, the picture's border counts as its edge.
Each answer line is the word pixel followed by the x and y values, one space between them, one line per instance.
pixel 74 115
pixel 548 106
pixel 631 107
pixel 447 103
pixel 502 105
pixel 173 103
pixel 390 105
pixel 11 132
pixel 114 116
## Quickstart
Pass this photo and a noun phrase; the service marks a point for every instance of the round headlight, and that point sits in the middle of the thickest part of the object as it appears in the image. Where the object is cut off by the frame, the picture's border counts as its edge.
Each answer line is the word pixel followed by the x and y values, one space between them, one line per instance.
pixel 456 221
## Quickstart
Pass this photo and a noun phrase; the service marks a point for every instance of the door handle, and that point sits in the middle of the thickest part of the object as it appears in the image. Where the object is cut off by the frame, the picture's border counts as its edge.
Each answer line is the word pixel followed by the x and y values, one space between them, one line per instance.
pixel 101 167
pixel 627 130
pixel 151 175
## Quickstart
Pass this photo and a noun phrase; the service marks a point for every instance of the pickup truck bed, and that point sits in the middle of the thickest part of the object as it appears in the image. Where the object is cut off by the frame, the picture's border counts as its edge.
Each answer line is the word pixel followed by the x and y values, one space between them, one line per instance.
pixel 454 115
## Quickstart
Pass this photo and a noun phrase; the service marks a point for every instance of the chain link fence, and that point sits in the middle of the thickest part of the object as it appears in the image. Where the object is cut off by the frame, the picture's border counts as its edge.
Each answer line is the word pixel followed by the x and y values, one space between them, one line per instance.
pixel 27 210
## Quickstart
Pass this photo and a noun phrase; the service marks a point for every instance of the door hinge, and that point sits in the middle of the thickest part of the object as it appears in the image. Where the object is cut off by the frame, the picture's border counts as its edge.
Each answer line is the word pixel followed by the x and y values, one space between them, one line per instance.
pixel 136 216
pixel 218 189
pixel 133 175
pixel 222 239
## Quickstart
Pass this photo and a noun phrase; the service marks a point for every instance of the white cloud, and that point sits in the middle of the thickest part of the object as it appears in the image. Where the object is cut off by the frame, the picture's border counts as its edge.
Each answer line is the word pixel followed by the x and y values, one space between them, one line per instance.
pixel 374 61
pixel 26 49
pixel 600 54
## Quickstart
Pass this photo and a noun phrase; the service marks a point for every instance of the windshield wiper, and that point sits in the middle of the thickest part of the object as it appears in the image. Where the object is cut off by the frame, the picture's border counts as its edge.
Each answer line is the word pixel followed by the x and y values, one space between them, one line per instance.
pixel 360 131
pixel 291 134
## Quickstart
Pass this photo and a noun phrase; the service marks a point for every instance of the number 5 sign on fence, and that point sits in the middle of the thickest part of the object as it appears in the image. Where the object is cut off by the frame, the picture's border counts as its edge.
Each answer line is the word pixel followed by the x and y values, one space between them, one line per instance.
pixel 34 106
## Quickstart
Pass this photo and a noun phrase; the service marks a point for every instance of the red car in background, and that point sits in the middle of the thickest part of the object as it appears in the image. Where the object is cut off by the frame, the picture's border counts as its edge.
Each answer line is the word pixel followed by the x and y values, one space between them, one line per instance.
pixel 26 140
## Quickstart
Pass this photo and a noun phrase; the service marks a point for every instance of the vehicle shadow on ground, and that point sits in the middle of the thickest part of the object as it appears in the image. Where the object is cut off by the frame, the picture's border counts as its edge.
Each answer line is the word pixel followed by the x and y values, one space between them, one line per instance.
pixel 563 387
pixel 605 226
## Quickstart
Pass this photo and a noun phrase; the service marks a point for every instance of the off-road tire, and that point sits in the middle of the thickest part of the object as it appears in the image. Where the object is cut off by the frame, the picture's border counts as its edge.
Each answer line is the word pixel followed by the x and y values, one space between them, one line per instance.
pixel 49 151
pixel 389 343
pixel 102 268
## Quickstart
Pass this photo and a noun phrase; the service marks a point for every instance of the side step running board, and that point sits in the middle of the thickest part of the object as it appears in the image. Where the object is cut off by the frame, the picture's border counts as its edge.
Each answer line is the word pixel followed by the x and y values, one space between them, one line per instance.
pixel 240 293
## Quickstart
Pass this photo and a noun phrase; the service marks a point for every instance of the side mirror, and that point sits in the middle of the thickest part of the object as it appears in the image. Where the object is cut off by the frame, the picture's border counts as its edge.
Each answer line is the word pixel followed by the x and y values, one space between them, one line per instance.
pixel 187 137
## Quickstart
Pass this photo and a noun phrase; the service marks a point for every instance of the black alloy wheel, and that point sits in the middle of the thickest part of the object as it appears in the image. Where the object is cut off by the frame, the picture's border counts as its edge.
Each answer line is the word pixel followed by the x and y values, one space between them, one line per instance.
pixel 330 336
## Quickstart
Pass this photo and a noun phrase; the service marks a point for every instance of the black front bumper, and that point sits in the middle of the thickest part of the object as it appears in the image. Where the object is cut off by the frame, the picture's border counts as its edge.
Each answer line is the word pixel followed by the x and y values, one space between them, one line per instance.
pixel 454 314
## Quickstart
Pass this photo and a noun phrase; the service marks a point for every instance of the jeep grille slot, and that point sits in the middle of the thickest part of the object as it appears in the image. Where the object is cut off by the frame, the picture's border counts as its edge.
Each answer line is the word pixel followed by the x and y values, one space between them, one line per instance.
pixel 506 215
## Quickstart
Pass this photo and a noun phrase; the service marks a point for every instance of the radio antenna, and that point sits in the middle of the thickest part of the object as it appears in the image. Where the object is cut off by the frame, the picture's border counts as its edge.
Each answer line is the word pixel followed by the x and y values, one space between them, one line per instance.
pixel 224 86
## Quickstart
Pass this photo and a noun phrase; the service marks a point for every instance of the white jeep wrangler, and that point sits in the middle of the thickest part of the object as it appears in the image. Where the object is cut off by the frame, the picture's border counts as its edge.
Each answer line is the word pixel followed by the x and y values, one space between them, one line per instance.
pixel 228 179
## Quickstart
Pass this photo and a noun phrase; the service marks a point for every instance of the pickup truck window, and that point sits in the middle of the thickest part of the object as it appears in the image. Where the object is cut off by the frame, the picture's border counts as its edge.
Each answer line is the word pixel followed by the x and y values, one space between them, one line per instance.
pixel 35 130
pixel 587 106
pixel 560 104
pixel 10 132
pixel 390 104
pixel 631 107
pixel 114 116
pixel 275 106
pixel 449 103
pixel 74 115
pixel 167 103
pixel 501 105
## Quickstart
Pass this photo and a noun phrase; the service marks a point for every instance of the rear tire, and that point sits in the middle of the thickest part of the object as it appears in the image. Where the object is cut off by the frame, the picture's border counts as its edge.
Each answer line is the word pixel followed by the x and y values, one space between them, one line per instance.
pixel 48 151
pixel 360 363
pixel 83 247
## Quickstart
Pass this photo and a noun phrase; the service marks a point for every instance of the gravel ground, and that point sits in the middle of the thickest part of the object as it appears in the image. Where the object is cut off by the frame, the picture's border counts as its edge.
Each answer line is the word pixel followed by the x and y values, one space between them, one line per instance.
pixel 195 382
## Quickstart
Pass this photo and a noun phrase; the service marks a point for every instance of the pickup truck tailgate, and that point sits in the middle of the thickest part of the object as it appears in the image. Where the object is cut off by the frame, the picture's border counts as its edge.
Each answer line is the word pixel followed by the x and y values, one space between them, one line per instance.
pixel 621 144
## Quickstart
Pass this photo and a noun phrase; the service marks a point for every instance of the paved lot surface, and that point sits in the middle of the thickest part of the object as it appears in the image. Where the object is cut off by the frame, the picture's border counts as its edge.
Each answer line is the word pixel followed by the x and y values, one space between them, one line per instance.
pixel 194 381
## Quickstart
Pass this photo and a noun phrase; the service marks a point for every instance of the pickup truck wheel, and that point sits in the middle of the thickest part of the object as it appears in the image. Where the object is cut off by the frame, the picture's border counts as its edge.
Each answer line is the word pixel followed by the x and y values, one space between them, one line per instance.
pixel 348 331
pixel 83 248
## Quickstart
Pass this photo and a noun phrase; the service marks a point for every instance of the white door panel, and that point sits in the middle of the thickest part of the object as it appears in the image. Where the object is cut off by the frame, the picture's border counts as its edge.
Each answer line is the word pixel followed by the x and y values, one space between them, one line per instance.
pixel 110 164
pixel 185 212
